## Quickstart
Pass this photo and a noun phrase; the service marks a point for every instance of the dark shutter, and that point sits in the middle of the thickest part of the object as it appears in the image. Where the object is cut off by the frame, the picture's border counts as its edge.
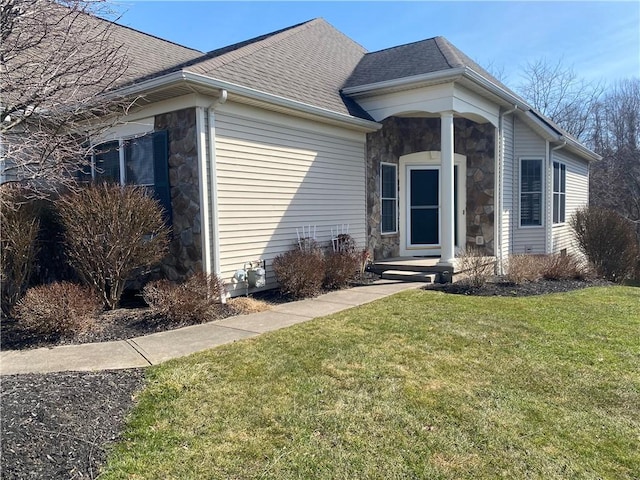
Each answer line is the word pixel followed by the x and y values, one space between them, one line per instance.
pixel 107 162
pixel 161 172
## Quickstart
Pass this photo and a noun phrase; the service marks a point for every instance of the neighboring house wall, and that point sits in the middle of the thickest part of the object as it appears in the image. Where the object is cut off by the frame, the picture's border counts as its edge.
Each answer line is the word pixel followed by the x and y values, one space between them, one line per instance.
pixel 185 248
pixel 402 136
pixel 276 174
pixel 577 196
pixel 527 144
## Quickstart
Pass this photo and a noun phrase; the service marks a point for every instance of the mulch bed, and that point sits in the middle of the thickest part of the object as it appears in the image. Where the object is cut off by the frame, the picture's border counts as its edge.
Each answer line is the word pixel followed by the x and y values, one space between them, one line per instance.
pixel 507 289
pixel 60 425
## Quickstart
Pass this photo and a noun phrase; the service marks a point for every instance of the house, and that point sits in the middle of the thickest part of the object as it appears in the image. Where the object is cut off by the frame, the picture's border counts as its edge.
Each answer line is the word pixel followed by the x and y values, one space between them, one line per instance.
pixel 416 148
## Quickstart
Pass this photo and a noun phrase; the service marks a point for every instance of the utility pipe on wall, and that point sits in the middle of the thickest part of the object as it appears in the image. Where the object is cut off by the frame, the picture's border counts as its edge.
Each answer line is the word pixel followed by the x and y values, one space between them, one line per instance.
pixel 215 236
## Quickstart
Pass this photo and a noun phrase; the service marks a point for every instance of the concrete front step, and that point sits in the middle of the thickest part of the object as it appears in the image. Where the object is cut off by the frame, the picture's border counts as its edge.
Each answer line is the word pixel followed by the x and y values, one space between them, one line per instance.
pixel 409 276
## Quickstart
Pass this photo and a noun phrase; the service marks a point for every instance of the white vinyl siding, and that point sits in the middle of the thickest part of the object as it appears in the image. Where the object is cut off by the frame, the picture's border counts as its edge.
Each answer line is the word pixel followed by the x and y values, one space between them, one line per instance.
pixel 577 196
pixel 527 144
pixel 276 175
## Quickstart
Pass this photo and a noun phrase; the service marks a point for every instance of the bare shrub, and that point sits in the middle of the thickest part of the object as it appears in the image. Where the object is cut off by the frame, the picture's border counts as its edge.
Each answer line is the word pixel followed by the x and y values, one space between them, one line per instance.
pixel 563 267
pixel 112 232
pixel 475 267
pixel 365 260
pixel 345 243
pixel 524 268
pixel 308 244
pixel 196 300
pixel 19 227
pixel 341 267
pixel 608 241
pixel 300 273
pixel 60 308
pixel 245 305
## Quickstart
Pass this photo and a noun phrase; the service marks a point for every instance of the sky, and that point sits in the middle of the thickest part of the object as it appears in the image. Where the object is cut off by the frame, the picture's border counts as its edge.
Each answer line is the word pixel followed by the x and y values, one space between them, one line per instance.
pixel 600 41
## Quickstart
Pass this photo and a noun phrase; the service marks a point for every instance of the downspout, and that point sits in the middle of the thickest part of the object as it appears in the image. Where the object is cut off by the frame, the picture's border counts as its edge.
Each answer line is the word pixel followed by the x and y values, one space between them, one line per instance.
pixel 549 194
pixel 499 187
pixel 215 232
pixel 204 190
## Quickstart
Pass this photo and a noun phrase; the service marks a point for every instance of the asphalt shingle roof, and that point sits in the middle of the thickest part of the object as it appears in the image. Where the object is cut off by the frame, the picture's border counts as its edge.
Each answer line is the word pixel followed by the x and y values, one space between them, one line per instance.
pixel 308 63
pixel 417 58
pixel 147 54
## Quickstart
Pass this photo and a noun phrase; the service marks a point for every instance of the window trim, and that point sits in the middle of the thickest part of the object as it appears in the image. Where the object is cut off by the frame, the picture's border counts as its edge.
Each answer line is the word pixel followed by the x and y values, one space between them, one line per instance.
pixel 161 186
pixel 561 193
pixel 396 199
pixel 121 155
pixel 542 192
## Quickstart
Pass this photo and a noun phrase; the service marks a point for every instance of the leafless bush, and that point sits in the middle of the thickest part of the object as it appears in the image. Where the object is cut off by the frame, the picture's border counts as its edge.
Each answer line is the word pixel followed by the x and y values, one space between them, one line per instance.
pixel 475 267
pixel 340 269
pixel 563 267
pixel 112 232
pixel 300 273
pixel 524 268
pixel 532 268
pixel 19 227
pixel 608 240
pixel 345 243
pixel 308 245
pixel 196 300
pixel 61 308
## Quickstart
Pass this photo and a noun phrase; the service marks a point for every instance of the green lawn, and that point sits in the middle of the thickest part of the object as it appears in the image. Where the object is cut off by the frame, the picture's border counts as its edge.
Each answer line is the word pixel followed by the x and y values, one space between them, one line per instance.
pixel 419 385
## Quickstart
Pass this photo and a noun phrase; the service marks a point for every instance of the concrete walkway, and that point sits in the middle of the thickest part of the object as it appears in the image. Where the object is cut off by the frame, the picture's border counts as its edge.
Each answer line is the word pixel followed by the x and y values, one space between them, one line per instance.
pixel 159 347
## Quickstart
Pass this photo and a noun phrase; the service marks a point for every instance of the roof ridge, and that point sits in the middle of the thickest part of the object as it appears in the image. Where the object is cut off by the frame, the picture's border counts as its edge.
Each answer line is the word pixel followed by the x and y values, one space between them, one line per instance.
pixel 248 47
pixel 448 52
pixel 403 45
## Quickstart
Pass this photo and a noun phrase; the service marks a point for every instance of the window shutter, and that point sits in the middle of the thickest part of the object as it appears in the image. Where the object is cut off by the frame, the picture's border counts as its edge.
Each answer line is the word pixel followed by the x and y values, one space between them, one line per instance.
pixel 161 172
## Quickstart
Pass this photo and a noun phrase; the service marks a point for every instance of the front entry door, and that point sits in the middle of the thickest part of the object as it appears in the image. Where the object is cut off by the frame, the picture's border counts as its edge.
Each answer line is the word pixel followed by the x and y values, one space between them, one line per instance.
pixel 423 209
pixel 420 204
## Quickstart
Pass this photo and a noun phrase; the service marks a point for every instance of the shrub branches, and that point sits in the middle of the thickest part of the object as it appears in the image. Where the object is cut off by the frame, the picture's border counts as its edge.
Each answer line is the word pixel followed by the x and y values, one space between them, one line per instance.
pixel 110 233
pixel 18 247
pixel 608 241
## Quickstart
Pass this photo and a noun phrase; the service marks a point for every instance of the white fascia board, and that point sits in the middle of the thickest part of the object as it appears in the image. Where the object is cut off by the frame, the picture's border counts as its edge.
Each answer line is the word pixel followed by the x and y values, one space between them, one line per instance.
pixel 203 81
pixel 450 75
pixel 406 82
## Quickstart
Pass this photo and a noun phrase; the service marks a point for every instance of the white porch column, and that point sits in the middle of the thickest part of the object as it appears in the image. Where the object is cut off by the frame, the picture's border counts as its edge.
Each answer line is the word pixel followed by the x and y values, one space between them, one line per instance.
pixel 447 240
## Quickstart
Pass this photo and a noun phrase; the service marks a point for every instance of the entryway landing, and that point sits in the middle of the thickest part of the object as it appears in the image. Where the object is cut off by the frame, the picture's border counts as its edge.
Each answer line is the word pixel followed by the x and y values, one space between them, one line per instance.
pixel 412 269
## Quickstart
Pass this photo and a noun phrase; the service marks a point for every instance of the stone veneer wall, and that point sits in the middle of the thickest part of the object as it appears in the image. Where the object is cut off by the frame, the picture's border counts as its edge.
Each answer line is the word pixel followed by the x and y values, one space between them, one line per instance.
pixel 185 249
pixel 402 136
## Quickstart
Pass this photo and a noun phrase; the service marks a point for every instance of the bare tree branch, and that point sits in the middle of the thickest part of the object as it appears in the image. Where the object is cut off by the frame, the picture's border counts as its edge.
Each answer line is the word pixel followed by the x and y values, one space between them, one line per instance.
pixel 615 180
pixel 556 91
pixel 58 61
